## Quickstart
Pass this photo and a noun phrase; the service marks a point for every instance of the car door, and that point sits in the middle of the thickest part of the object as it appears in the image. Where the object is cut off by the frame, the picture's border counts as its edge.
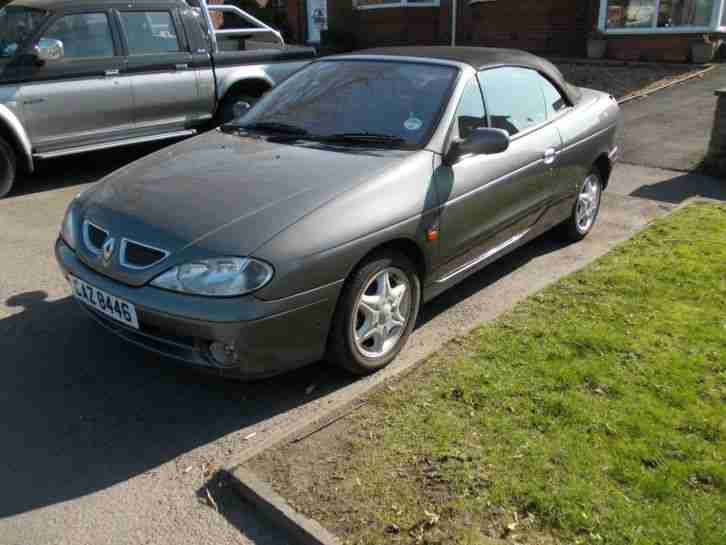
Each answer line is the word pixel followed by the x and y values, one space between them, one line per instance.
pixel 567 169
pixel 492 201
pixel 163 77
pixel 84 97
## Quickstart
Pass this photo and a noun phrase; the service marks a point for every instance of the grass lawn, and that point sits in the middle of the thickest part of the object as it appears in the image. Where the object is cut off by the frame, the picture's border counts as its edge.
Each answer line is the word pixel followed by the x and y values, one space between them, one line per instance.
pixel 594 412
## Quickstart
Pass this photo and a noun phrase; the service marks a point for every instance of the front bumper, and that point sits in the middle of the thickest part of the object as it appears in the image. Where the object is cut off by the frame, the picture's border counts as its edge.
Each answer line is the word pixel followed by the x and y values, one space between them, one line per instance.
pixel 268 337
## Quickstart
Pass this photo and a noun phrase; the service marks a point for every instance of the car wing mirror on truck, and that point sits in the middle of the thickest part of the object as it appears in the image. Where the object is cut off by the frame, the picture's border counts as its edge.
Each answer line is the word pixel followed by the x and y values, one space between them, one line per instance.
pixel 48 49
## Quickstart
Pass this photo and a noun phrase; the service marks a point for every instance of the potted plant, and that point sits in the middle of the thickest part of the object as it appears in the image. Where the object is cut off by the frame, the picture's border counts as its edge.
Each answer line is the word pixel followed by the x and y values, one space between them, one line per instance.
pixel 704 48
pixel 596 44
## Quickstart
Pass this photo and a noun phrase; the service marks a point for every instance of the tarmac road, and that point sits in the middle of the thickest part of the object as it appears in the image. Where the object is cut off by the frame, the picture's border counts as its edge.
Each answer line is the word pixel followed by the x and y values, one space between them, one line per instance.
pixel 104 443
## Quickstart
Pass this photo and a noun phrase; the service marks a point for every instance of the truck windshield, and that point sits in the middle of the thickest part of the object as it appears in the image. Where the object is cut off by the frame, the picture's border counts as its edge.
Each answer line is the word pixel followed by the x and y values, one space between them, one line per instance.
pixel 18 24
pixel 357 102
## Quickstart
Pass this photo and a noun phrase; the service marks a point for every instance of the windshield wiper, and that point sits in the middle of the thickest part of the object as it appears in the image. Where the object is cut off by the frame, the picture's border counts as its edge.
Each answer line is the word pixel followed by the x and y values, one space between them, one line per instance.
pixel 364 138
pixel 274 126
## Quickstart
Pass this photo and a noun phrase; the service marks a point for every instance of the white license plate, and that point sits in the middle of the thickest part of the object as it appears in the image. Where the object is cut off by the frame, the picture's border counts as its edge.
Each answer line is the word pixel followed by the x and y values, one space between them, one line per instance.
pixel 113 307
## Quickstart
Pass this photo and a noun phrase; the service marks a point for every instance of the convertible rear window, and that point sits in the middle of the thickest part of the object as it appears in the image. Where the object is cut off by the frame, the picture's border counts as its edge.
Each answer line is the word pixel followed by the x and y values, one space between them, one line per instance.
pixel 401 101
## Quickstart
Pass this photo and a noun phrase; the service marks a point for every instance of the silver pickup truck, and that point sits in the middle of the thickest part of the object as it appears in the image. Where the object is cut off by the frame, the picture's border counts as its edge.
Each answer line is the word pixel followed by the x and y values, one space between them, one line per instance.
pixel 82 75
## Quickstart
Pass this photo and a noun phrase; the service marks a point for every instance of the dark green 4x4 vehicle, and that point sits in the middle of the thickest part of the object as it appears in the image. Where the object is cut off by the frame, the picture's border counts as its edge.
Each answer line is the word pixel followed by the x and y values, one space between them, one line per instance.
pixel 82 75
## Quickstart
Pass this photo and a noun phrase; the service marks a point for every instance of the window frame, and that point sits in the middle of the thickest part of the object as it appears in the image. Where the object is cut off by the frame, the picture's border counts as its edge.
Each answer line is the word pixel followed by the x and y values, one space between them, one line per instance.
pixel 715 24
pixel 398 4
pixel 532 128
pixel 181 38
pixel 453 132
pixel 57 16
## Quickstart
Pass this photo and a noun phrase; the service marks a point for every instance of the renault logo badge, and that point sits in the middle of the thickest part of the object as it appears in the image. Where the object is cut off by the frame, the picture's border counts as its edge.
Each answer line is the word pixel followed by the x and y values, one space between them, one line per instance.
pixel 107 249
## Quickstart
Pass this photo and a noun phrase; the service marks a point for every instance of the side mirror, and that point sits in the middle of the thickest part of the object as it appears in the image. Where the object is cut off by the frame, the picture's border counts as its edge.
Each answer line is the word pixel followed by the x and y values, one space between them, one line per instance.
pixel 49 49
pixel 482 141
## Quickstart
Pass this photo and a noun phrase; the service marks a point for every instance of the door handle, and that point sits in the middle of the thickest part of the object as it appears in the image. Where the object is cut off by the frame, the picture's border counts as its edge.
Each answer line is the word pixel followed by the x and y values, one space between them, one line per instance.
pixel 550 156
pixel 182 66
pixel 111 73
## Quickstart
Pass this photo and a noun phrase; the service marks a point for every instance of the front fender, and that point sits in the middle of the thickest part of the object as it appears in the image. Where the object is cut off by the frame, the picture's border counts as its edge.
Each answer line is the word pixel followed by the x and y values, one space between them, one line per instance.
pixel 21 139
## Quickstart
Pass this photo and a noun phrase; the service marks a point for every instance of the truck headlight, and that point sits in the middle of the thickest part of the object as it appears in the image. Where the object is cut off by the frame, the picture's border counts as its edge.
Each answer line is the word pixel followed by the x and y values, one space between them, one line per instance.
pixel 221 277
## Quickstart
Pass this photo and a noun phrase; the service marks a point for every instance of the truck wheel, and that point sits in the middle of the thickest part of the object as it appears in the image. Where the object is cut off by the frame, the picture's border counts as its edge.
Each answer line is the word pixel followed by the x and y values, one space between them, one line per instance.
pixel 7 168
pixel 226 111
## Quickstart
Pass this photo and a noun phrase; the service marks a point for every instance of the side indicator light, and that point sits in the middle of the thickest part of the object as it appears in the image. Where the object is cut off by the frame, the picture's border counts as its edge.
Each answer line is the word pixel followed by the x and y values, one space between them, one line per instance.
pixel 432 235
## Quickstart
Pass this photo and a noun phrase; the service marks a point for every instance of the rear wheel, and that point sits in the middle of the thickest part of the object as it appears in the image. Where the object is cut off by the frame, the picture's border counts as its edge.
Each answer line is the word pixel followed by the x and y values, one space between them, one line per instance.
pixel 376 314
pixel 586 209
pixel 8 168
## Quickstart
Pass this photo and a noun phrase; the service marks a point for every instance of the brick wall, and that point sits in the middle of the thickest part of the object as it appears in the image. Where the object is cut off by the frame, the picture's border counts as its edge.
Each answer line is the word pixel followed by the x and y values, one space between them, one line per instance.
pixel 556 26
pixel 544 26
pixel 399 26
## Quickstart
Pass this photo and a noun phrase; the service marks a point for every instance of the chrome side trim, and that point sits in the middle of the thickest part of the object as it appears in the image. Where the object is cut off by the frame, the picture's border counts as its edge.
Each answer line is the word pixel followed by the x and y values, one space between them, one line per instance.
pixel 126 264
pixel 497 249
pixel 87 238
pixel 114 144
pixel 501 179
pixel 614 154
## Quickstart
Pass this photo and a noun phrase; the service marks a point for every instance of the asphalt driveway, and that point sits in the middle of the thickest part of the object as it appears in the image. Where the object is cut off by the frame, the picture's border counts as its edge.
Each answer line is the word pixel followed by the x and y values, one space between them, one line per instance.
pixel 670 129
pixel 104 443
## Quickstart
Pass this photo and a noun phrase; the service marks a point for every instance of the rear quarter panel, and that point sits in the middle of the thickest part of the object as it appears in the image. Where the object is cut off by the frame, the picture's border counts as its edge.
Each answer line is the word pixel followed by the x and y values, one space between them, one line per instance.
pixel 230 70
pixel 588 132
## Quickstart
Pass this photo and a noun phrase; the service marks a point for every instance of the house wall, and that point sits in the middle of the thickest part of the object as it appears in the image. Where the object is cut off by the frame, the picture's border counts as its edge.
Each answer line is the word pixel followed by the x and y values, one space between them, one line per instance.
pixel 400 26
pixel 558 27
pixel 543 26
pixel 553 26
pixel 669 48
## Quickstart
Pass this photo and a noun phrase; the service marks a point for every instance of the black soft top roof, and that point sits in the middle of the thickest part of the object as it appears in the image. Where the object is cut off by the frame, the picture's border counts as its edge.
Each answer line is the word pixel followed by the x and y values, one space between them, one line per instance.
pixel 483 57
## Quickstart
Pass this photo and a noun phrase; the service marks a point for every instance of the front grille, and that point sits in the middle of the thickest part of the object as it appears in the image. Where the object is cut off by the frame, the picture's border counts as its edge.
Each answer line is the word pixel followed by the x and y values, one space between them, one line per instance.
pixel 94 237
pixel 139 256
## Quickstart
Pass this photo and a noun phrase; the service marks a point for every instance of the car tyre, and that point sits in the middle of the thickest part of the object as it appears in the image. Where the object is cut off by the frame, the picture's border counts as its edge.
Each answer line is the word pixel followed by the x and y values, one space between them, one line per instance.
pixel 8 168
pixel 382 294
pixel 586 209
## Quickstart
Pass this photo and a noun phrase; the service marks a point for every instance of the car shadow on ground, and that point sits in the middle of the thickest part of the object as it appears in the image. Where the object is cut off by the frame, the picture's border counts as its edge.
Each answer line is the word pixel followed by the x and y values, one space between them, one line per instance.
pixel 85 410
pixel 680 188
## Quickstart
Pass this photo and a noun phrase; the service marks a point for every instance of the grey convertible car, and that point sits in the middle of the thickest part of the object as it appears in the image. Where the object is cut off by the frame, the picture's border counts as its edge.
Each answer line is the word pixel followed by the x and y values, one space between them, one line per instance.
pixel 318 222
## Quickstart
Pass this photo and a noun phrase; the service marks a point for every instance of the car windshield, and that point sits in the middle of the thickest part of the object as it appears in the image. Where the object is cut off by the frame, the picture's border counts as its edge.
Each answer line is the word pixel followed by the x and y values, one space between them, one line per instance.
pixel 18 24
pixel 357 102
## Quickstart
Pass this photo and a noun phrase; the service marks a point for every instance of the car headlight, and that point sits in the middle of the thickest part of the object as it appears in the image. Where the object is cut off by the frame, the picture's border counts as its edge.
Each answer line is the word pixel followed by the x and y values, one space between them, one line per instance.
pixel 222 277
pixel 68 227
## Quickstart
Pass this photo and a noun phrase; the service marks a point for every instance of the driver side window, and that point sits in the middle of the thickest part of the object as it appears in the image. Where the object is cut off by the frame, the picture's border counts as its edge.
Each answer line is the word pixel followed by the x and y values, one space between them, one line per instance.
pixel 514 98
pixel 470 115
pixel 84 35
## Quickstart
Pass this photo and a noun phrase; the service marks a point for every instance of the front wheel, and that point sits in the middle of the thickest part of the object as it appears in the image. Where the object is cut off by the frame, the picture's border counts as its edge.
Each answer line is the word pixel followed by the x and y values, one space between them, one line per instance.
pixel 585 210
pixel 376 314
pixel 8 168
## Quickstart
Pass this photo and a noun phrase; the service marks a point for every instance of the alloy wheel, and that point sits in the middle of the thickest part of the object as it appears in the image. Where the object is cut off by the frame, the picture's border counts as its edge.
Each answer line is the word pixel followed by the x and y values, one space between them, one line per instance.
pixel 382 313
pixel 588 204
